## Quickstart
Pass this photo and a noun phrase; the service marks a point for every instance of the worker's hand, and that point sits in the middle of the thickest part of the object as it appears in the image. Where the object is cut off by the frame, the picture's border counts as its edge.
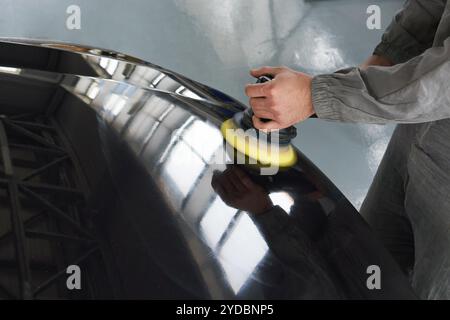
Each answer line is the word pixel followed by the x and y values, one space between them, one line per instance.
pixel 376 60
pixel 285 100
pixel 238 191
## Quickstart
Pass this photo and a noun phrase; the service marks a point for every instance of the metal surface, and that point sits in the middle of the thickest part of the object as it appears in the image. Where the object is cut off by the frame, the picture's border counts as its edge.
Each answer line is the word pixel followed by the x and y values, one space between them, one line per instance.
pixel 147 141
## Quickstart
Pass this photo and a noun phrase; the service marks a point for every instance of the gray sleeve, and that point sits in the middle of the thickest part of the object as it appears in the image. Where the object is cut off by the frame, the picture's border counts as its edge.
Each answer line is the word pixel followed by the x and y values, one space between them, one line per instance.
pixel 411 92
pixel 412 30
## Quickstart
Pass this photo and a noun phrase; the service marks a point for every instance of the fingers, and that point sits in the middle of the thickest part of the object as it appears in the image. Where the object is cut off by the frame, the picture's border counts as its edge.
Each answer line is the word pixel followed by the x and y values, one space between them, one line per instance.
pixel 267 126
pixel 231 176
pixel 263 115
pixel 225 185
pixel 243 178
pixel 273 71
pixel 233 182
pixel 240 180
pixel 261 108
pixel 228 185
pixel 258 90
pixel 215 180
pixel 217 186
pixel 221 192
pixel 262 89
pixel 259 103
pixel 237 183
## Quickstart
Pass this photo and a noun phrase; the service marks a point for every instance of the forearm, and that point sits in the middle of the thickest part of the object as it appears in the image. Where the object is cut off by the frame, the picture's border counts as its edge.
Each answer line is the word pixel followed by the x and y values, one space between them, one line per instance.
pixel 411 92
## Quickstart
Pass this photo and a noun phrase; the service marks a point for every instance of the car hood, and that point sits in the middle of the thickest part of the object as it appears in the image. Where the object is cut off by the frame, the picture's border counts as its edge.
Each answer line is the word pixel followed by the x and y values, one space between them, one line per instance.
pixel 145 142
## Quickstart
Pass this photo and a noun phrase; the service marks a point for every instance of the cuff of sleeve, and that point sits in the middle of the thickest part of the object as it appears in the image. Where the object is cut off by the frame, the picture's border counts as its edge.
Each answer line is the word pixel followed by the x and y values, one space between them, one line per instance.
pixel 321 98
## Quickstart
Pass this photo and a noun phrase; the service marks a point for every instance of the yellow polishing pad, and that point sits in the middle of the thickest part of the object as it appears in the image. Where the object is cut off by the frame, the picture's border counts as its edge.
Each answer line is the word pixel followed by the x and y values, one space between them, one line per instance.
pixel 266 154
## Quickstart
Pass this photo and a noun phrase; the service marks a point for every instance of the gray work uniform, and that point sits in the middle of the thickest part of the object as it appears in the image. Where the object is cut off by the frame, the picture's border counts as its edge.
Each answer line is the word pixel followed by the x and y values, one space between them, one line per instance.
pixel 408 204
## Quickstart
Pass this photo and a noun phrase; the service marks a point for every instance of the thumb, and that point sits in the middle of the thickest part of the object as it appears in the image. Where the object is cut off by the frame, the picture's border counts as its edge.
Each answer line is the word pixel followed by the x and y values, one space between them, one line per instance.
pixel 273 71
pixel 266 126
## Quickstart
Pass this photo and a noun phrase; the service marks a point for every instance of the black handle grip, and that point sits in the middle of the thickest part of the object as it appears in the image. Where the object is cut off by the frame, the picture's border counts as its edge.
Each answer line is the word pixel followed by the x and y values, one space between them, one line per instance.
pixel 264 78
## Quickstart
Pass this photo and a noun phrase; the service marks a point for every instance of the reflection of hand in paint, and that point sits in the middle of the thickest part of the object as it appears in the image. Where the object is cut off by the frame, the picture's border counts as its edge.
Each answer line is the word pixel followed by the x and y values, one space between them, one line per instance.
pixel 237 190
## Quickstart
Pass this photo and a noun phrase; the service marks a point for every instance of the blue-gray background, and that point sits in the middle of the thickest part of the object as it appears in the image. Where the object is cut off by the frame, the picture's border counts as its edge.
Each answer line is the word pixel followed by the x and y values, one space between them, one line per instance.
pixel 217 41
